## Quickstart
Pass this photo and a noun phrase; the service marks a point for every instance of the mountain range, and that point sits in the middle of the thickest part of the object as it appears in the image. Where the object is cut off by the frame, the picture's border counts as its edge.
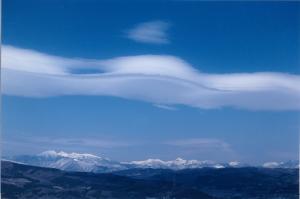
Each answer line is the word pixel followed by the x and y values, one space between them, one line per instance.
pixel 92 163
pixel 21 181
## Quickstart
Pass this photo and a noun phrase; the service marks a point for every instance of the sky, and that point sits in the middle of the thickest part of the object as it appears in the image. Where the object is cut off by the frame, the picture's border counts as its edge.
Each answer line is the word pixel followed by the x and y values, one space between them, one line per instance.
pixel 162 79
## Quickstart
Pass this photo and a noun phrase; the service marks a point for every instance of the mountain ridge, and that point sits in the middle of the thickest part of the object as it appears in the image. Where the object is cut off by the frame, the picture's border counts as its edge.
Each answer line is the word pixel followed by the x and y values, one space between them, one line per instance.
pixel 25 181
pixel 84 162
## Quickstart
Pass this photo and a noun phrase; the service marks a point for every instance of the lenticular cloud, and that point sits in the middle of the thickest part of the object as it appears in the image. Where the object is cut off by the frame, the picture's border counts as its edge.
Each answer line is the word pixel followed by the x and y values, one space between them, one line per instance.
pixel 157 79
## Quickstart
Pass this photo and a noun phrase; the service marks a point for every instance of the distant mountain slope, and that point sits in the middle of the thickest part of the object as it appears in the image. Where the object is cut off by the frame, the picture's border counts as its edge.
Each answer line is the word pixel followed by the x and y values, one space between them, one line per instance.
pixel 238 183
pixel 96 164
pixel 23 181
pixel 71 162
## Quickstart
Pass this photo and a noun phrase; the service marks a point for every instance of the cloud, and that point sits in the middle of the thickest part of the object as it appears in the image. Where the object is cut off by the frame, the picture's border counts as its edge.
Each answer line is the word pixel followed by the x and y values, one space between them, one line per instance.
pixel 203 143
pixel 65 142
pixel 158 79
pixel 208 148
pixel 154 32
pixel 169 108
pixel 97 143
pixel 24 143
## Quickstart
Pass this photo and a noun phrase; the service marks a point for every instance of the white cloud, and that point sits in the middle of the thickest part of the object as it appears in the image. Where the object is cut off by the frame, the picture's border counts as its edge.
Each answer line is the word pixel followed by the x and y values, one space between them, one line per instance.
pixel 169 108
pixel 28 144
pixel 206 143
pixel 150 32
pixel 157 79
pixel 83 142
pixel 21 142
pixel 208 148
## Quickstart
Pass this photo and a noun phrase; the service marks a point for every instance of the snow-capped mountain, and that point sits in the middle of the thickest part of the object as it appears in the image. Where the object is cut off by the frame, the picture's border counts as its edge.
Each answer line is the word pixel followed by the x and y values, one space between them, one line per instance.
pixel 176 164
pixel 92 163
pixel 288 164
pixel 70 161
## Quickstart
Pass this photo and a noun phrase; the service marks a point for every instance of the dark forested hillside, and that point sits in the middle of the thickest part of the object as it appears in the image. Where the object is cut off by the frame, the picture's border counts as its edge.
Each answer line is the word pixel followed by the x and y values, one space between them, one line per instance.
pixel 23 181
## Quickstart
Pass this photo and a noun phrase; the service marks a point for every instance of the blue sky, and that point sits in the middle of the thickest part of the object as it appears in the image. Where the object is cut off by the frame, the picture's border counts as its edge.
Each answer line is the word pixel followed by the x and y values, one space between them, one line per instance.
pixel 199 80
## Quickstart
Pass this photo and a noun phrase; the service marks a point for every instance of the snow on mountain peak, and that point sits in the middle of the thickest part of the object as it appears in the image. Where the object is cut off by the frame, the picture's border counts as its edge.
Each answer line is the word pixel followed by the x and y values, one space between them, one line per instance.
pixel 271 164
pixel 52 153
pixel 92 163
pixel 180 159
pixel 178 163
pixel 151 163
pixel 219 166
pixel 234 163
pixel 288 164
pixel 73 161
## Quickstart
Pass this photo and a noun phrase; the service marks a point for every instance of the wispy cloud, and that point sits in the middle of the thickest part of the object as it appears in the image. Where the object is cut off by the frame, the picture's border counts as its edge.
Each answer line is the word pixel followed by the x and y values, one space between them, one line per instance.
pixel 98 143
pixel 154 32
pixel 162 106
pixel 203 143
pixel 157 79
pixel 207 148
pixel 23 144
pixel 64 142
